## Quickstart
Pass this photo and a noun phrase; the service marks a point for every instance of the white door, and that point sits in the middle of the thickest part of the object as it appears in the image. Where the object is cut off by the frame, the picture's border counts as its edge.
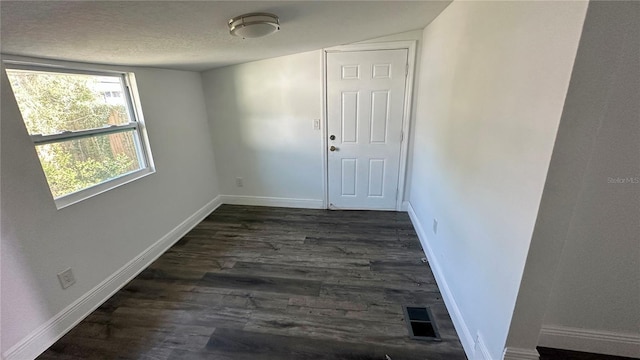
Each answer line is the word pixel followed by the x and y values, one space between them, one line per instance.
pixel 365 106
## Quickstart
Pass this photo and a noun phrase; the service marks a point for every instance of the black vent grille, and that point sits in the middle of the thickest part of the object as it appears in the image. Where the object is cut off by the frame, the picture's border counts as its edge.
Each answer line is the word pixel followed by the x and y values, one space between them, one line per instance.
pixel 421 323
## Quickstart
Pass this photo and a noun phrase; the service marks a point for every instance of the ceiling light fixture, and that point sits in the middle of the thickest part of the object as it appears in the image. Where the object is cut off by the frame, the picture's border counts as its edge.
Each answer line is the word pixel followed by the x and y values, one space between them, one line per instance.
pixel 254 25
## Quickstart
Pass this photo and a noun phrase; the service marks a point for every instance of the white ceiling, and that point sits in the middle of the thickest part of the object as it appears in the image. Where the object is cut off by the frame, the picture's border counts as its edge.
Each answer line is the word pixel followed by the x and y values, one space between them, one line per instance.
pixel 193 35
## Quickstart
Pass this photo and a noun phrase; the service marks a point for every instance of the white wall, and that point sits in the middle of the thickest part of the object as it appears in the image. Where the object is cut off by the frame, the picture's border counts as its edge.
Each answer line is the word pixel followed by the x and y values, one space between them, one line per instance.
pixel 599 271
pixel 493 80
pixel 97 236
pixel 261 116
pixel 588 231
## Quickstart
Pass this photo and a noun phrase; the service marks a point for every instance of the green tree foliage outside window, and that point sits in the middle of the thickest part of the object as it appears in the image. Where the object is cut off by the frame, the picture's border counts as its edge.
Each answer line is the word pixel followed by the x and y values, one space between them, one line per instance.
pixel 53 103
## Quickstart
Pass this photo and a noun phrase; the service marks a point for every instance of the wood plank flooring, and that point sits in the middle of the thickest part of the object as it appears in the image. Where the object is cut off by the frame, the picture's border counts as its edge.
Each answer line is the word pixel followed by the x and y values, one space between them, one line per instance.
pixel 273 283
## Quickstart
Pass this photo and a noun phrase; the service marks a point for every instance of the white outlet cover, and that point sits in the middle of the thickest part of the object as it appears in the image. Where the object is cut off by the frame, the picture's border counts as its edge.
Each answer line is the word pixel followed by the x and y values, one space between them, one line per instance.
pixel 66 278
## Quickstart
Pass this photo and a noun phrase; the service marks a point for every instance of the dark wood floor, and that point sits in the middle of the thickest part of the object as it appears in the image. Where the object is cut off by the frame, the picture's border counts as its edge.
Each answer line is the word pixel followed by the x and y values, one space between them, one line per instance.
pixel 273 283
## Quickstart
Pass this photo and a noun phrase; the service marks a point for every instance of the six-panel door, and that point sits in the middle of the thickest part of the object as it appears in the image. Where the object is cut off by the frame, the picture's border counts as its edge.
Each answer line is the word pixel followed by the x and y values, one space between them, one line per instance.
pixel 365 105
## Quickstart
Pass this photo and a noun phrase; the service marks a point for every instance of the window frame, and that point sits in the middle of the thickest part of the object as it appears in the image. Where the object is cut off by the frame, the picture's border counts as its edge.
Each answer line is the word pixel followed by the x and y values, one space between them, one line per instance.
pixel 136 125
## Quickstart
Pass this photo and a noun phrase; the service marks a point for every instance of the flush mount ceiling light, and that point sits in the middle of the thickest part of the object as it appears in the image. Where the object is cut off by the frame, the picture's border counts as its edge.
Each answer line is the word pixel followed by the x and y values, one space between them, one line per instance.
pixel 254 25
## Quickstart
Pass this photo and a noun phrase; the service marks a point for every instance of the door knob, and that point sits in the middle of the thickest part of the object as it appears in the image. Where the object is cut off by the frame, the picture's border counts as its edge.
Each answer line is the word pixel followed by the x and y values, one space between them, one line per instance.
pixel 333 148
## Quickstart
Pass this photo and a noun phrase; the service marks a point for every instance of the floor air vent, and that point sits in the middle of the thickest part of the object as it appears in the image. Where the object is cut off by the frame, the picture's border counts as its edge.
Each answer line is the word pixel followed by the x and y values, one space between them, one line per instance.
pixel 421 323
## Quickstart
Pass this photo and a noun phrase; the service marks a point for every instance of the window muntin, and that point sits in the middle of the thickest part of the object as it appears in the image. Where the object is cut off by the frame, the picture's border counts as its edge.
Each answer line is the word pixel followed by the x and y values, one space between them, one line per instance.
pixel 84 127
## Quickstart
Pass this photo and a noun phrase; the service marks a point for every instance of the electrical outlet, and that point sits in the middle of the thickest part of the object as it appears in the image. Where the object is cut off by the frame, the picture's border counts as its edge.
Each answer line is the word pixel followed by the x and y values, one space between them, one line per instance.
pixel 239 182
pixel 435 226
pixel 66 278
pixel 316 124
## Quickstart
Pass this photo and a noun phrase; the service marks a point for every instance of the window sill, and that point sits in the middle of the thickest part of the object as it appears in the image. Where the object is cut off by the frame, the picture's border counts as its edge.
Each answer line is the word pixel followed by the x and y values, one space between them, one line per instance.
pixel 87 193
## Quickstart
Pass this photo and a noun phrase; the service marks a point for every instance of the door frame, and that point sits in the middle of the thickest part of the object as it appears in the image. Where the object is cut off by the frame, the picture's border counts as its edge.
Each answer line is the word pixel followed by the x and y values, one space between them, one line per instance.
pixel 410 46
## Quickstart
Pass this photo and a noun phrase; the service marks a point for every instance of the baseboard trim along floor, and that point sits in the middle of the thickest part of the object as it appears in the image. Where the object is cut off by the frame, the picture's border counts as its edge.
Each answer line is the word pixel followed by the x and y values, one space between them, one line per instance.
pixel 254 282
pixel 48 333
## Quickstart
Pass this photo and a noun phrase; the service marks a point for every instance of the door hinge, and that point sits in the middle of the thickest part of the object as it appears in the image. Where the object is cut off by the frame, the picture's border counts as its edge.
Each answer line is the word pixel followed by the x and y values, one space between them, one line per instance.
pixel 401 136
pixel 406 70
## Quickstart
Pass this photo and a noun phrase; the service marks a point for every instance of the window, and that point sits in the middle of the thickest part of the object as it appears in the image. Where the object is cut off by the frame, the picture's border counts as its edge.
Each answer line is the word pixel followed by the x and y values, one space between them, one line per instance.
pixel 88 139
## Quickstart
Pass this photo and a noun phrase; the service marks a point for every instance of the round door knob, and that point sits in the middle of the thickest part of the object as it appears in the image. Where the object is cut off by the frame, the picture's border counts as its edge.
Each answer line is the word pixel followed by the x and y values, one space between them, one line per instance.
pixel 333 148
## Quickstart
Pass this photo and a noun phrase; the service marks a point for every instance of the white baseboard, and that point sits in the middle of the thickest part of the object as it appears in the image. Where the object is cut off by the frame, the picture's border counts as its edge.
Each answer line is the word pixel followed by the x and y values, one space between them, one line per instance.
pixel 511 353
pixel 595 341
pixel 460 325
pixel 272 201
pixel 480 351
pixel 48 333
pixel 405 206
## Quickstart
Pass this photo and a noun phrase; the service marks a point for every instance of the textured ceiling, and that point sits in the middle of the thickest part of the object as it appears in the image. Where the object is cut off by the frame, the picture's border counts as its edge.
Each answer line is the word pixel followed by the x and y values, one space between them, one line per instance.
pixel 193 35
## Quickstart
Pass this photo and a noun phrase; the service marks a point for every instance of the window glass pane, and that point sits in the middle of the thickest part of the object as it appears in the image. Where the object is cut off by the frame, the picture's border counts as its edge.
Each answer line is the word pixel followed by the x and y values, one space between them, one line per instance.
pixel 76 164
pixel 52 102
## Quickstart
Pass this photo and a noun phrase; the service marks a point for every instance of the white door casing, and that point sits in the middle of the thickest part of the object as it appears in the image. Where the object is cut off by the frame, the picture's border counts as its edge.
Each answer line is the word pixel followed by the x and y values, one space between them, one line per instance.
pixel 365 109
